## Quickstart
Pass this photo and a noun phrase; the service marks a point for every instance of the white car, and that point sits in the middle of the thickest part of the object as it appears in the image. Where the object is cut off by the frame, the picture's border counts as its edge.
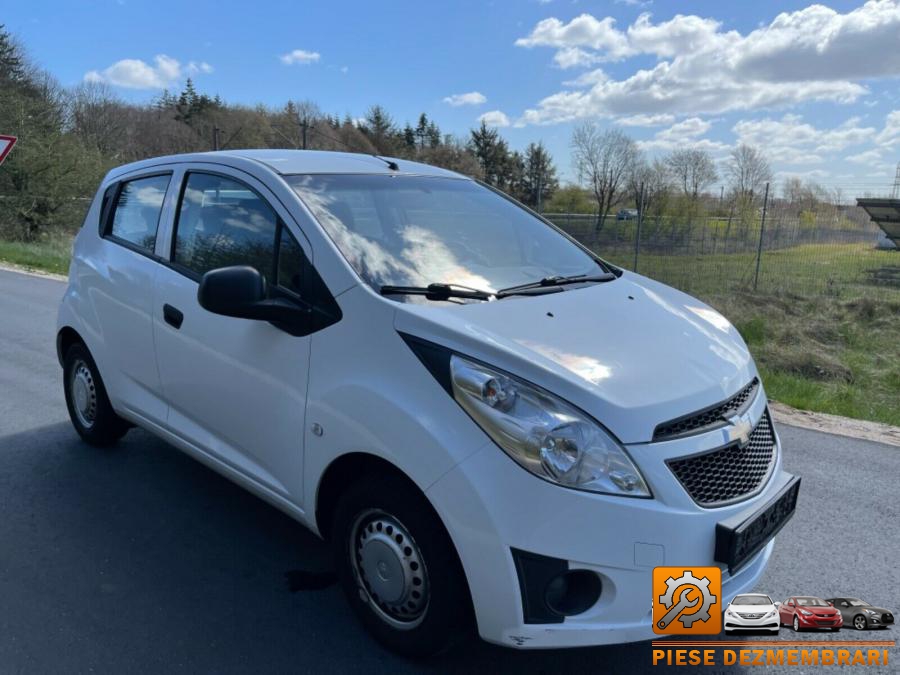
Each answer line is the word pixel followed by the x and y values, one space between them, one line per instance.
pixel 752 611
pixel 489 423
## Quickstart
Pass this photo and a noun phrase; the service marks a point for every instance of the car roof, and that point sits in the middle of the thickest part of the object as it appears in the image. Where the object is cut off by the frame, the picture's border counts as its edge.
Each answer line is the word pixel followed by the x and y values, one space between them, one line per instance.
pixel 298 161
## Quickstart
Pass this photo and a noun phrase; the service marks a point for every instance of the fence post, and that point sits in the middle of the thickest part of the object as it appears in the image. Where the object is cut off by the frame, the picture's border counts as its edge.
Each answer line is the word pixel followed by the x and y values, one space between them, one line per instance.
pixel 640 220
pixel 762 229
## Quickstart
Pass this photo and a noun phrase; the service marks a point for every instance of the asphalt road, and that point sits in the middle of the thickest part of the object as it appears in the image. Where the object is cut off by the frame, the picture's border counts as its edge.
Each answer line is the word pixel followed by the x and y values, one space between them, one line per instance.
pixel 139 559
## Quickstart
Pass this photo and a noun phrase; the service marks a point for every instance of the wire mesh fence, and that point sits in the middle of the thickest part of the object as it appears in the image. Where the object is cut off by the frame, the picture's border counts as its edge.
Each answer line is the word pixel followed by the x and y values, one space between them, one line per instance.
pixel 775 247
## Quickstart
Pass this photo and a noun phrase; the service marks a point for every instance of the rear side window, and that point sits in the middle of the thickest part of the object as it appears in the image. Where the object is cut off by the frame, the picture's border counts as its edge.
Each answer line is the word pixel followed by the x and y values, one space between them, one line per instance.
pixel 221 223
pixel 135 216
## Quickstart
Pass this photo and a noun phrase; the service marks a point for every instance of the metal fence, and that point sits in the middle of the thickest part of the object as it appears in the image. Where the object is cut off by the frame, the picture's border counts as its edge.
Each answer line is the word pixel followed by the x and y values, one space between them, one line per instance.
pixel 777 248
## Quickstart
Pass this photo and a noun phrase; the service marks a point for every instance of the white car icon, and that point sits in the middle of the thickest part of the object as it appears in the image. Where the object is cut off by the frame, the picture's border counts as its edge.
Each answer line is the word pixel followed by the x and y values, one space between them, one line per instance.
pixel 751 611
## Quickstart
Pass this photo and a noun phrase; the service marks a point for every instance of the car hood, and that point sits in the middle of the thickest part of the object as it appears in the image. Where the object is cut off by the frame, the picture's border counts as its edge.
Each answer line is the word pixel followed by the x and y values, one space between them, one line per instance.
pixel 753 609
pixel 820 611
pixel 632 352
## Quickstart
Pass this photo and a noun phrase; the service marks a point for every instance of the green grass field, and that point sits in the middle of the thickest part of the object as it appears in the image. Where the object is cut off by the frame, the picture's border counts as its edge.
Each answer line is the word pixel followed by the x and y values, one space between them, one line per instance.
pixel 824 324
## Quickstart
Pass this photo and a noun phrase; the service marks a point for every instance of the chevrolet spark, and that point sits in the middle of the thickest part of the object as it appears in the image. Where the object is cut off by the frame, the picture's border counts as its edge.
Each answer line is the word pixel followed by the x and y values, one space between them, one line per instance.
pixel 492 426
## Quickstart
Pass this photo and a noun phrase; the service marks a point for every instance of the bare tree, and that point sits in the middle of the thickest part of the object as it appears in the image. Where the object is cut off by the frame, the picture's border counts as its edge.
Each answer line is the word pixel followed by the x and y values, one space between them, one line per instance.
pixel 603 161
pixel 693 170
pixel 748 171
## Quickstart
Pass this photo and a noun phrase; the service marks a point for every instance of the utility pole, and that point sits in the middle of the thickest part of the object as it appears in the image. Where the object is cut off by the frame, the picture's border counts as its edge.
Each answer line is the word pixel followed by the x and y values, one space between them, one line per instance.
pixel 762 229
pixel 640 221
pixel 216 132
pixel 304 127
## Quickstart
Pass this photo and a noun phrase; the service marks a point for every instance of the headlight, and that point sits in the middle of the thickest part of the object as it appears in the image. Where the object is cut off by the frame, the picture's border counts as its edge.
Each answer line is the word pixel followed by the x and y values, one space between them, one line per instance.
pixel 871 611
pixel 806 612
pixel 770 614
pixel 543 433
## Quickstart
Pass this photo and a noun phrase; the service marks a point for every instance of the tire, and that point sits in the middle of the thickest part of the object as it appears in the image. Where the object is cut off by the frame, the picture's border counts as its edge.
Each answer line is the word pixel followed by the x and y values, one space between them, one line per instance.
pixel 89 408
pixel 796 624
pixel 835 629
pixel 419 603
pixel 860 622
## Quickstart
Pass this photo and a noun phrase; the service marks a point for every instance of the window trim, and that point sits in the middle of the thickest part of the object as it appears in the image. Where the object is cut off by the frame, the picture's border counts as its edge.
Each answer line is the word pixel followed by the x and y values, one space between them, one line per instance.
pixel 108 211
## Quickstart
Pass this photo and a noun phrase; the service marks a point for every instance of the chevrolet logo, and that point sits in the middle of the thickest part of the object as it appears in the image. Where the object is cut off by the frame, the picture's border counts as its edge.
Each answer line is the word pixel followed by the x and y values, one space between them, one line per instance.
pixel 739 430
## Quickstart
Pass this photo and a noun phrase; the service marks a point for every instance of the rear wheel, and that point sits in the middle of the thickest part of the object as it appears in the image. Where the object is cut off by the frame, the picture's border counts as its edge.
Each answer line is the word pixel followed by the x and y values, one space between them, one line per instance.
pixel 89 408
pixel 398 567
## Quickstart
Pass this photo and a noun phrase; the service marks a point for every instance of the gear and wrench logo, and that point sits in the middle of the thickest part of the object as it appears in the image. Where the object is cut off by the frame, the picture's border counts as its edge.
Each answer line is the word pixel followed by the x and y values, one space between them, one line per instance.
pixel 687 599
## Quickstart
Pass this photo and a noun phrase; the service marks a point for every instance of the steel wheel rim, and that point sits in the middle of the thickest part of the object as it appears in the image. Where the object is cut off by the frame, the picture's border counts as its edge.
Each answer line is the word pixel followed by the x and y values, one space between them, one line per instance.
pixel 859 622
pixel 389 569
pixel 84 394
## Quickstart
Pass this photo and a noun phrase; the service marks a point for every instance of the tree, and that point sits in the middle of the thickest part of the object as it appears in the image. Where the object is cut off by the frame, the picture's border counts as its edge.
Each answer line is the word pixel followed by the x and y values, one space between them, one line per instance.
pixel 492 154
pixel 650 182
pixel 603 161
pixel 748 171
pixel 693 170
pixel 380 129
pixel 539 180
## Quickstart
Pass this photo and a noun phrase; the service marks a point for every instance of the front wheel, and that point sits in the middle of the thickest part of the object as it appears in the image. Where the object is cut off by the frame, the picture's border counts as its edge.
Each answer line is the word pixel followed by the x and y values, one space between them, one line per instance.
pixel 398 567
pixel 796 624
pixel 89 408
pixel 859 622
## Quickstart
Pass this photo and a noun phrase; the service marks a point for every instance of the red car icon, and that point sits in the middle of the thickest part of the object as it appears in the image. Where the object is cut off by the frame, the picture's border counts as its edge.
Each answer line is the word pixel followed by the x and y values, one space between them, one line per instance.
pixel 805 611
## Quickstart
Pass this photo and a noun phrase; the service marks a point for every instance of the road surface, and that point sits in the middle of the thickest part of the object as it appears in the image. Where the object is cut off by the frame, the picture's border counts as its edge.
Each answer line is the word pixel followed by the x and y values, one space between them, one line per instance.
pixel 139 559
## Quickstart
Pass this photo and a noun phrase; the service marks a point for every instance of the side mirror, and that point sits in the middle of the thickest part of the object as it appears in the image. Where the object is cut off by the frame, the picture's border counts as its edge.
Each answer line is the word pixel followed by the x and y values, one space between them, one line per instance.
pixel 831 604
pixel 778 605
pixel 240 292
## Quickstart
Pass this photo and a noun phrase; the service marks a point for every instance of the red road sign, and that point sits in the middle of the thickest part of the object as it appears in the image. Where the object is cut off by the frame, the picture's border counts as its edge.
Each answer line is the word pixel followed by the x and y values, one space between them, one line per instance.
pixel 6 144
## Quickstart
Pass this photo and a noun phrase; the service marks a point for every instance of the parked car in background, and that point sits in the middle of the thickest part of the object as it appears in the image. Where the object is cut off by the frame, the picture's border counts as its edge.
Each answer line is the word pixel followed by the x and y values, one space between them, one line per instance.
pixel 627 214
pixel 751 611
pixel 861 615
pixel 804 612
pixel 407 362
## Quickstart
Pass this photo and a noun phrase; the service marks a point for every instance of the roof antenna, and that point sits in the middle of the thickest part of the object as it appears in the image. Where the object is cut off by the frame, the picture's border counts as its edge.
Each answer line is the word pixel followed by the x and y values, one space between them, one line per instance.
pixel 392 165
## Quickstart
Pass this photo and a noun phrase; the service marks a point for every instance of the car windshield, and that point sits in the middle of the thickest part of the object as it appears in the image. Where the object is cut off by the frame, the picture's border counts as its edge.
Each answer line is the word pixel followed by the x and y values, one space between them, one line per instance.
pixel 811 602
pixel 858 603
pixel 752 600
pixel 420 230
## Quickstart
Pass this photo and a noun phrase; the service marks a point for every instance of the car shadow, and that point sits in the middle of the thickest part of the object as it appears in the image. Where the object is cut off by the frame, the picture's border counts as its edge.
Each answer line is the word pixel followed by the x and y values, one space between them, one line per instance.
pixel 138 558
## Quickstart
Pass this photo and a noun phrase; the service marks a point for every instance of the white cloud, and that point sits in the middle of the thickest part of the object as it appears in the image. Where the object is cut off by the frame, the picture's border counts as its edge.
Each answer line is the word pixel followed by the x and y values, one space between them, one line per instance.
pixel 686 133
pixel 470 98
pixel 588 79
pixel 196 67
pixel 868 157
pixel 494 118
pixel 646 120
pixel 790 140
pixel 575 57
pixel 345 69
pixel 138 74
pixel 812 54
pixel 300 56
pixel 891 132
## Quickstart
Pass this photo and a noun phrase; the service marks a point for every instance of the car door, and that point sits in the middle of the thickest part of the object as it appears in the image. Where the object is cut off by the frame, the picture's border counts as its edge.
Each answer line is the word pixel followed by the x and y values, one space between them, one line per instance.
pixel 236 388
pixel 122 275
pixel 786 611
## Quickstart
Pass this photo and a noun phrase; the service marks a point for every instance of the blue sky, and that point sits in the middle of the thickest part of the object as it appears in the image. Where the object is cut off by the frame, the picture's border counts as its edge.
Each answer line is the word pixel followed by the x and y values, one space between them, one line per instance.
pixel 816 88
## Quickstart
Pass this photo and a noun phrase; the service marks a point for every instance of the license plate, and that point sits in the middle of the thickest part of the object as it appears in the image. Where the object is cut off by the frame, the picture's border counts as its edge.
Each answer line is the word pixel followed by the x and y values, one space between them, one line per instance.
pixel 740 538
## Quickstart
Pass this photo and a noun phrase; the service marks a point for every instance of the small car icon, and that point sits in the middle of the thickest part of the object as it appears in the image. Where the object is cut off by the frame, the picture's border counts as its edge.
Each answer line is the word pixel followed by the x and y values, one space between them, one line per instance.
pixel 752 611
pixel 861 615
pixel 805 611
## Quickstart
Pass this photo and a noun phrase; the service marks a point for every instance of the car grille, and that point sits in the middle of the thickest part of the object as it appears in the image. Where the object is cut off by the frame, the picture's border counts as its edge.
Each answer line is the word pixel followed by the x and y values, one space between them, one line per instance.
pixel 826 622
pixel 749 616
pixel 731 473
pixel 887 617
pixel 710 418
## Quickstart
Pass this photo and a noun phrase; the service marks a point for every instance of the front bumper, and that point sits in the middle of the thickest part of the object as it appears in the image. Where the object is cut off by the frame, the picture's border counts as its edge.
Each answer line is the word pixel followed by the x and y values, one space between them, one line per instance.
pixel 820 622
pixel 491 506
pixel 736 623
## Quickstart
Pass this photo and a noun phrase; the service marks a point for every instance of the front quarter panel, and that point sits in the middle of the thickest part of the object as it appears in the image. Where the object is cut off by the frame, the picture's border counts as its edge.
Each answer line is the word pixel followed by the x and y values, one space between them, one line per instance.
pixel 368 393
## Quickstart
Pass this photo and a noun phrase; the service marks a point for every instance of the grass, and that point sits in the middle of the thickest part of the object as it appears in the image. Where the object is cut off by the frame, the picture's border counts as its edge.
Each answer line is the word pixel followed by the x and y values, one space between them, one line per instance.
pixel 824 332
pixel 46 256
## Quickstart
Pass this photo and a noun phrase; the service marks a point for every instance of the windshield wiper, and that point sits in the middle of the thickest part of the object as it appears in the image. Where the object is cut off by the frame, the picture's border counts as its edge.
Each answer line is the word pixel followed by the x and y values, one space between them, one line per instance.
pixel 550 282
pixel 439 292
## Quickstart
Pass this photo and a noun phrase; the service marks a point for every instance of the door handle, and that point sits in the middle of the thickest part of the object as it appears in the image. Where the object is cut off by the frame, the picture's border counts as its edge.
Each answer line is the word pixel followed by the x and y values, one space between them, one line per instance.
pixel 173 317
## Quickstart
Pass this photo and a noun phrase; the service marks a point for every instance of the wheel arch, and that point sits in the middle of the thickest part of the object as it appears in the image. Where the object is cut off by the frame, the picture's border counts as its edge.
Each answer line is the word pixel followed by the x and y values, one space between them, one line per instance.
pixel 340 473
pixel 65 338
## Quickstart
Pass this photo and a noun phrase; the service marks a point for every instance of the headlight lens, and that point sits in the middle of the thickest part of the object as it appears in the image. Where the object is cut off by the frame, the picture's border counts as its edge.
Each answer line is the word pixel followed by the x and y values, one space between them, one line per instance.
pixel 543 433
pixel 805 612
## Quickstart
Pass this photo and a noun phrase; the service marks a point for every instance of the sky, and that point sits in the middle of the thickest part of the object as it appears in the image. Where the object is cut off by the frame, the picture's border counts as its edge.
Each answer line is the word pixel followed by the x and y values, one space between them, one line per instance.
pixel 815 86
